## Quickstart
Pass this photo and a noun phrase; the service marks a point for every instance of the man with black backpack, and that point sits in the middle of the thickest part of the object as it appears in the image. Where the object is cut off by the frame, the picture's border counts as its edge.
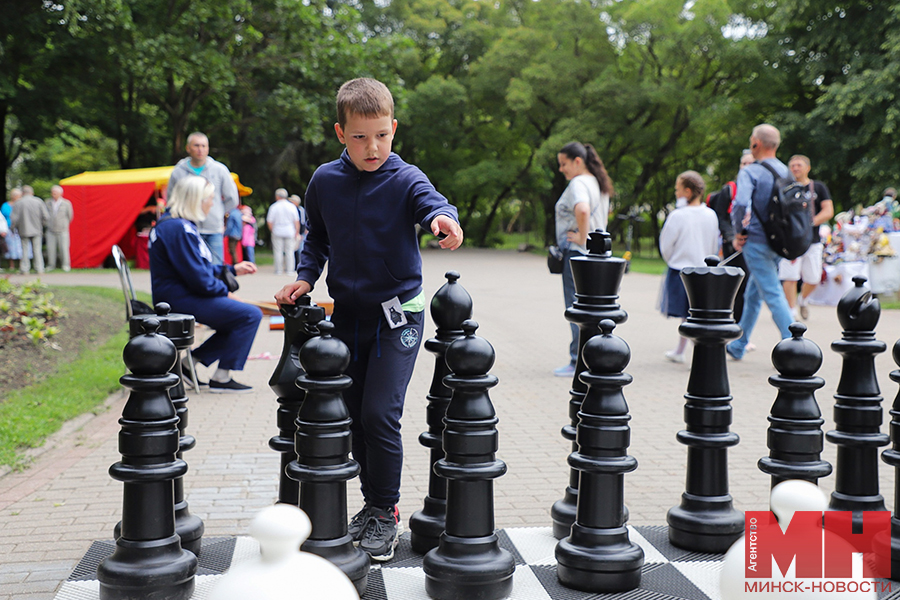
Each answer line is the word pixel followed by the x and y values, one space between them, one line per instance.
pixel 755 187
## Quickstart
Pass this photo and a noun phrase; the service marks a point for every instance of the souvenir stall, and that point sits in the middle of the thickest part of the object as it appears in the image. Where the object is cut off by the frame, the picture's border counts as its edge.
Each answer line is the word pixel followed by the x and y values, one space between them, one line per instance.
pixel 867 244
pixel 117 207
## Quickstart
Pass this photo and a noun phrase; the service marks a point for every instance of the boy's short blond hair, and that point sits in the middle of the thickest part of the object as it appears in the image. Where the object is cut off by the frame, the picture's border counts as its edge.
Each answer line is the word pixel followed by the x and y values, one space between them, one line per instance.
pixel 365 97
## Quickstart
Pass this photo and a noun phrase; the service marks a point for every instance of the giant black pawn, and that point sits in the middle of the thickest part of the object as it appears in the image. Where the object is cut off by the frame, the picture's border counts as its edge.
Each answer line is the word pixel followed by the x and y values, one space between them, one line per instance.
pixel 598 556
pixel 597 276
pixel 300 320
pixel 148 561
pixel 450 306
pixel 857 406
pixel 179 328
pixel 323 465
pixel 891 544
pixel 795 437
pixel 706 520
pixel 469 562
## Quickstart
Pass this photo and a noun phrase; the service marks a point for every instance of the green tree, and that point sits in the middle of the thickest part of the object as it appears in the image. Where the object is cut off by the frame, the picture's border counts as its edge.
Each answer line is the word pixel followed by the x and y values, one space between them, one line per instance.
pixel 37 70
pixel 842 61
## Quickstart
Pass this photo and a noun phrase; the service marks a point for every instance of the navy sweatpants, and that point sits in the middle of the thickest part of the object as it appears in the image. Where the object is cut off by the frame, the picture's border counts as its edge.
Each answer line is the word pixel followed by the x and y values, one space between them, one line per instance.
pixel 381 365
pixel 235 324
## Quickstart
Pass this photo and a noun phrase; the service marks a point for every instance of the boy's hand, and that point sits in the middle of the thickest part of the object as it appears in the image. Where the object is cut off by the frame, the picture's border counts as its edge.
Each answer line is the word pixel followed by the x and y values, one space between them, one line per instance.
pixel 454 233
pixel 289 293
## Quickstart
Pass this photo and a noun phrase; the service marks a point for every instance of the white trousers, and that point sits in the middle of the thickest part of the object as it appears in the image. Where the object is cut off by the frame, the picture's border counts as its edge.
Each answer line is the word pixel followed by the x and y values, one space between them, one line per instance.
pixel 283 250
pixel 36 243
pixel 58 241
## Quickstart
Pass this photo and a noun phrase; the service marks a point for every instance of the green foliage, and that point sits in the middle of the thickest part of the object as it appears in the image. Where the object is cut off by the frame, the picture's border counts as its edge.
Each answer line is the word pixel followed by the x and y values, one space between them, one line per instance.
pixel 69 383
pixel 29 415
pixel 845 60
pixel 485 92
pixel 28 311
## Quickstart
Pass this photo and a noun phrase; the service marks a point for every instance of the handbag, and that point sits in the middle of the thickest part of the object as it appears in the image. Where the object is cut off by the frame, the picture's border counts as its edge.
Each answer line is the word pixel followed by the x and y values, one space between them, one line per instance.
pixel 555 258
pixel 228 277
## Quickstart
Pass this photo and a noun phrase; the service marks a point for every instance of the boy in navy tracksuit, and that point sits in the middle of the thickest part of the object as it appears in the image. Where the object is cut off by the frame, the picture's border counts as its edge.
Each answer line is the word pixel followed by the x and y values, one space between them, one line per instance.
pixel 362 211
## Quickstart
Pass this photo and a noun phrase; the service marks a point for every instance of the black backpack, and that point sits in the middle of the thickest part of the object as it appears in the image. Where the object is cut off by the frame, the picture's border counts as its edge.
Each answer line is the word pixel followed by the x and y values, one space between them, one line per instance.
pixel 720 202
pixel 789 216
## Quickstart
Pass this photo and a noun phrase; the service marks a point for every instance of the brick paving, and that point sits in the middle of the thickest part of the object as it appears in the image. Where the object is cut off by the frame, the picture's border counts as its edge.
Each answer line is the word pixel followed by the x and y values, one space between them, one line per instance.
pixel 52 511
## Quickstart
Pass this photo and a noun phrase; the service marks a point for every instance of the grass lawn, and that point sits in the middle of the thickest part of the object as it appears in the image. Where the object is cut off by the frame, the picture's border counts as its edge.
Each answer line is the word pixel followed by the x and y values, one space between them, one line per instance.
pixel 65 383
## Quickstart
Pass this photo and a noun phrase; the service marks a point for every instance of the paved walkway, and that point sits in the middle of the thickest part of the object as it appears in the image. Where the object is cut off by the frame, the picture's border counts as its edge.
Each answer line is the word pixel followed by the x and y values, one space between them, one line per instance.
pixel 51 512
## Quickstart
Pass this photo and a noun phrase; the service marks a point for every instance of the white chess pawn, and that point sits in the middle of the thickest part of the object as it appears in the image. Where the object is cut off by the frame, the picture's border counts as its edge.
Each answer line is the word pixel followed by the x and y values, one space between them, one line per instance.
pixel 282 570
pixel 787 498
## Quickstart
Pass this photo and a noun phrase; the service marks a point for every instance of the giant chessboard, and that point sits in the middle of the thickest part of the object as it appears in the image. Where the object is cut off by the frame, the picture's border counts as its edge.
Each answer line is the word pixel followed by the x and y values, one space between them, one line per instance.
pixel 669 573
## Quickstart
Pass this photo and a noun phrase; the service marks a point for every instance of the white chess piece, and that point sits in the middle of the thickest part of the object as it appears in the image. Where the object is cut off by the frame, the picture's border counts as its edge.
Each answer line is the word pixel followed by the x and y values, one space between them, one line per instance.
pixel 787 498
pixel 282 570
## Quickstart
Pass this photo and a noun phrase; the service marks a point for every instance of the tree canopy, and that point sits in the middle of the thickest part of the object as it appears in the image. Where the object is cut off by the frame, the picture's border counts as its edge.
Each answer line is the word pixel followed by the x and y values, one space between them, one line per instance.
pixel 485 93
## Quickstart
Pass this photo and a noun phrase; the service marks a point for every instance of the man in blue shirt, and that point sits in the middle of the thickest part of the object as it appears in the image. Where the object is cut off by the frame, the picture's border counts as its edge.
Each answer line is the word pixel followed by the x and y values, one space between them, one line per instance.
pixel 754 184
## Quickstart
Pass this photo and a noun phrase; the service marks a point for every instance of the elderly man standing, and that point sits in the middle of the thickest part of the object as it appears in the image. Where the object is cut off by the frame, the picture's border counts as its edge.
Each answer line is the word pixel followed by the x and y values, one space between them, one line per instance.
pixel 29 217
pixel 225 198
pixel 61 214
pixel 755 185
pixel 283 222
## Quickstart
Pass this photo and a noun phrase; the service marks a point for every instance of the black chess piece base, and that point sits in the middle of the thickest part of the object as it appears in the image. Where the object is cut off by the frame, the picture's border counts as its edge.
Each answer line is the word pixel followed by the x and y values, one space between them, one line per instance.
pixel 151 570
pixel 469 569
pixel 427 525
pixel 563 513
pixel 341 553
pixel 600 560
pixel 705 524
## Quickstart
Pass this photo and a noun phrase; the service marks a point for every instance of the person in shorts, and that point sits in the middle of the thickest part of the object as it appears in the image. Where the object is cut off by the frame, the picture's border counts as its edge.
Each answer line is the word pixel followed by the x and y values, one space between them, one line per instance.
pixel 807 268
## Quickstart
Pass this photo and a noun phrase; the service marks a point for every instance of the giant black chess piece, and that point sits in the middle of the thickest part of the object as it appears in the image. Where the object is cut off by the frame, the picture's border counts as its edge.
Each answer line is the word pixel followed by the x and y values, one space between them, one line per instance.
pixel 598 276
pixel 322 444
pixel 148 561
pixel 890 544
pixel 857 406
pixel 300 320
pixel 179 328
pixel 706 521
pixel 598 556
pixel 795 437
pixel 469 562
pixel 450 306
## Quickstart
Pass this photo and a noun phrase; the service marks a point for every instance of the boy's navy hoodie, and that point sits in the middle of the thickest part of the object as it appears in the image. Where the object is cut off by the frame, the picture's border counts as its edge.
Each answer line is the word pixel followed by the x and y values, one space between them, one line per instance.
pixel 363 224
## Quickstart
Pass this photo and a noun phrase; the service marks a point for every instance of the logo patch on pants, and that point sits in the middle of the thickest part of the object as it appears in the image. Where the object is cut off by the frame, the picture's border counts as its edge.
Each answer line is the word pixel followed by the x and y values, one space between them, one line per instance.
pixel 409 337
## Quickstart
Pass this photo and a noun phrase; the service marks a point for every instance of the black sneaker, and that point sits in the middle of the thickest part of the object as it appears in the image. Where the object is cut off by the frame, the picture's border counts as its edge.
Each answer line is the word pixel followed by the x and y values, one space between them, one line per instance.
pixel 358 523
pixel 229 387
pixel 381 533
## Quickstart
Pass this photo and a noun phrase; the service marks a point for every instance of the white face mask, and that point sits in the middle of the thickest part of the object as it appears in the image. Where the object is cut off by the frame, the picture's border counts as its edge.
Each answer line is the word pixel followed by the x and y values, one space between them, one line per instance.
pixel 681 201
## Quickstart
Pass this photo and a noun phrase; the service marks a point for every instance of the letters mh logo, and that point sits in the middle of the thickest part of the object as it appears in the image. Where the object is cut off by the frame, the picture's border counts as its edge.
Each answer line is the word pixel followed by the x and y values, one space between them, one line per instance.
pixel 820 552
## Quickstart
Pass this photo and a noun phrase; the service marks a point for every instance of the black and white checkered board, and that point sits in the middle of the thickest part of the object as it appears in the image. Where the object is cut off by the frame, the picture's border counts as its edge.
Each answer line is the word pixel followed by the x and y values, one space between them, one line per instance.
pixel 669 573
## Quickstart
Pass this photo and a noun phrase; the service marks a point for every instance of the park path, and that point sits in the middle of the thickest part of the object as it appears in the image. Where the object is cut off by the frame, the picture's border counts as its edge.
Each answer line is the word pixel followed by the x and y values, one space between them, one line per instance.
pixel 52 511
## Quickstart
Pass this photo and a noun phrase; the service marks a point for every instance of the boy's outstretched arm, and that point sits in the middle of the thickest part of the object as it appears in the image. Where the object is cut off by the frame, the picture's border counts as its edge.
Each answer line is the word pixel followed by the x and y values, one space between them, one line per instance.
pixel 454 233
pixel 289 293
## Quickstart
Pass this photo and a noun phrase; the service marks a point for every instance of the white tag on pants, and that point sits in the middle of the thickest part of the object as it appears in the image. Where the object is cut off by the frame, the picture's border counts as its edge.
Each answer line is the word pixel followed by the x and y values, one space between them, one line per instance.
pixel 393 312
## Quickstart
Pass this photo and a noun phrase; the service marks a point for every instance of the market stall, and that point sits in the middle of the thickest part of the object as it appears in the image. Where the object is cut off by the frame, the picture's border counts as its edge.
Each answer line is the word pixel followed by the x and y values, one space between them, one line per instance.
pixel 108 206
pixel 864 242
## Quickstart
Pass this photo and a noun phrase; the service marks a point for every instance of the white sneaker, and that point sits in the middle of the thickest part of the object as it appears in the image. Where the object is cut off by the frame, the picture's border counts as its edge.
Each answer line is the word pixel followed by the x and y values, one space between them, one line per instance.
pixel 674 356
pixel 804 311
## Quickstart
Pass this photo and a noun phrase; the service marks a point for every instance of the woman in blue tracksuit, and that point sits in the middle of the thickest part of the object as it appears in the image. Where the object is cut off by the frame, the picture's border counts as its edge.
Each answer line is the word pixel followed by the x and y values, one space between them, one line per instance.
pixel 182 274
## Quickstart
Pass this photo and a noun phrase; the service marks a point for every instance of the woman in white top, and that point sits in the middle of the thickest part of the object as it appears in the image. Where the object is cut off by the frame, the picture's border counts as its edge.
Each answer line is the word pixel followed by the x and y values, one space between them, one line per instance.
pixel 582 208
pixel 689 235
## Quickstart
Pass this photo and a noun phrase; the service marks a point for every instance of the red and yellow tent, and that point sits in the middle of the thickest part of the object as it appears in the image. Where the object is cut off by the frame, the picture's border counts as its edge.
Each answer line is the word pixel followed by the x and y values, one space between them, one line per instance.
pixel 106 205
